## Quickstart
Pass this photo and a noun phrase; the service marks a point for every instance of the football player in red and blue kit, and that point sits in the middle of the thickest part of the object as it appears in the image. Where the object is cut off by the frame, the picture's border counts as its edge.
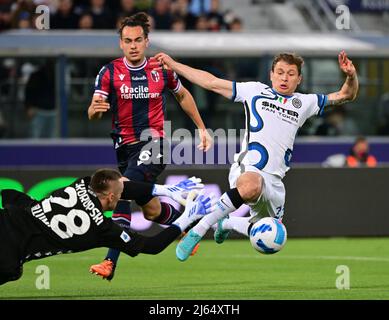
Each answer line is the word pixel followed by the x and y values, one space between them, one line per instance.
pixel 134 88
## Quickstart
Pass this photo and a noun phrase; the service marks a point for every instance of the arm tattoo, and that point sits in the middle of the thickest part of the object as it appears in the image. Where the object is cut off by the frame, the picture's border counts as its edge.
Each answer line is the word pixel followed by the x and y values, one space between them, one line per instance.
pixel 347 93
pixel 337 101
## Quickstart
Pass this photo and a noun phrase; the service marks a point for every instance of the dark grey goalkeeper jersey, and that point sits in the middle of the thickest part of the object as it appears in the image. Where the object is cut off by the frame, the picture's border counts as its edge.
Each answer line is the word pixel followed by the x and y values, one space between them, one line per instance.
pixel 70 220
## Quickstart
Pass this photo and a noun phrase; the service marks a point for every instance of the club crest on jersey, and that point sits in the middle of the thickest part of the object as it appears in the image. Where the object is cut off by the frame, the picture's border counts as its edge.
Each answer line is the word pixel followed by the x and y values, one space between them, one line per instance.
pixel 296 102
pixel 155 75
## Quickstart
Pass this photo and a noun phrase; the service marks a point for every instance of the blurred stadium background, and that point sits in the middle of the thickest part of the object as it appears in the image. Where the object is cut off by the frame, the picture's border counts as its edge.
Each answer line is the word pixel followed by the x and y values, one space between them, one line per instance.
pixel 232 39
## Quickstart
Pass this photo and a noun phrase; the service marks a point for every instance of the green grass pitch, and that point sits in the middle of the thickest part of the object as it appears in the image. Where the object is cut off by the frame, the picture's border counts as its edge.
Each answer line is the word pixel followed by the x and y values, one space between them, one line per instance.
pixel 304 269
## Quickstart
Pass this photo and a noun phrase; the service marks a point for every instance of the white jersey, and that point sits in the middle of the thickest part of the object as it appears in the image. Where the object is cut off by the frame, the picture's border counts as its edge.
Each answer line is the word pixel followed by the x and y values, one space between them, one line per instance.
pixel 272 121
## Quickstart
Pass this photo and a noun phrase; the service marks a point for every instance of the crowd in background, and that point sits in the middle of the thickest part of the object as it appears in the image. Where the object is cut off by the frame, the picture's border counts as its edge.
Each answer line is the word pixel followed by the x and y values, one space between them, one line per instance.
pixel 175 15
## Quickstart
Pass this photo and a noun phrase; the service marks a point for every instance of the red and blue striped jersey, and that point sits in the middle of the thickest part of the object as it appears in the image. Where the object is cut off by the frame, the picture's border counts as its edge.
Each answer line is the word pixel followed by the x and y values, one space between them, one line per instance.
pixel 137 97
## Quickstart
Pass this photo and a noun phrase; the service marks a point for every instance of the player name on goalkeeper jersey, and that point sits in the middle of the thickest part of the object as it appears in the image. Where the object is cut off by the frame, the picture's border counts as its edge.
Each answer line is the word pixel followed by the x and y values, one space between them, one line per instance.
pixel 87 203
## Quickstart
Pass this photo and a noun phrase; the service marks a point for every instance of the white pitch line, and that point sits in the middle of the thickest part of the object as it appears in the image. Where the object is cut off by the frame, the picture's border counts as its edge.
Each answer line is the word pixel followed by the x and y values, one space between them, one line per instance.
pixel 251 256
pixel 296 257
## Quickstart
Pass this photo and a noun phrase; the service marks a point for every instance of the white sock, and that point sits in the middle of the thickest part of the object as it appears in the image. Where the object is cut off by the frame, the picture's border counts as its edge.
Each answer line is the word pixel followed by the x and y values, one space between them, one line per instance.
pixel 238 224
pixel 224 206
pixel 183 221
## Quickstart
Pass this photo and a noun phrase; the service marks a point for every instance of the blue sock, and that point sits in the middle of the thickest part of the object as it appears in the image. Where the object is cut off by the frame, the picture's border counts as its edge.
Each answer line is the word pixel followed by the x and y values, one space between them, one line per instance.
pixel 113 255
pixel 122 217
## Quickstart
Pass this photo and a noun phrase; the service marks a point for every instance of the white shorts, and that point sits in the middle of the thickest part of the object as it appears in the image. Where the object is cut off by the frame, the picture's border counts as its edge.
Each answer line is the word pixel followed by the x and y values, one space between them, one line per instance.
pixel 272 200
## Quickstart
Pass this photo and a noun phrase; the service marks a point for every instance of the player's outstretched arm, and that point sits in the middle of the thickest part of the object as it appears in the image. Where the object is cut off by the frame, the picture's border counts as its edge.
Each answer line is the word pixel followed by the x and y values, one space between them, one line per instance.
pixel 133 243
pixel 188 104
pixel 349 90
pixel 202 78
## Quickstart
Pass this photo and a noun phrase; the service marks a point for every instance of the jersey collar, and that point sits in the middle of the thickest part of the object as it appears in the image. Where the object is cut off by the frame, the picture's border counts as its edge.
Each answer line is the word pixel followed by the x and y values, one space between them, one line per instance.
pixel 132 68
pixel 282 95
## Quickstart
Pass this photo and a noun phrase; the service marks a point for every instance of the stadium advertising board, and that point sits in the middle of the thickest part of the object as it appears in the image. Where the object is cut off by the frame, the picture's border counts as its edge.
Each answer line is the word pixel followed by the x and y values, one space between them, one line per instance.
pixel 320 202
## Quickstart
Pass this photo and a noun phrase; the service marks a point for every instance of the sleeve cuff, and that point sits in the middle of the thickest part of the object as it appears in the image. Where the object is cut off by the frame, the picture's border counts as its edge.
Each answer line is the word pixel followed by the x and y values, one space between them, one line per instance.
pixel 322 100
pixel 233 91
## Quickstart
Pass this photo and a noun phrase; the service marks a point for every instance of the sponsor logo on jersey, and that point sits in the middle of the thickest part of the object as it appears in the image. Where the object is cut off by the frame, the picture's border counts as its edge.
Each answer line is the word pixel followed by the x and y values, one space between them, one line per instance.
pixel 137 78
pixel 284 113
pixel 139 92
pixel 121 76
pixel 155 75
pixel 124 89
pixel 296 102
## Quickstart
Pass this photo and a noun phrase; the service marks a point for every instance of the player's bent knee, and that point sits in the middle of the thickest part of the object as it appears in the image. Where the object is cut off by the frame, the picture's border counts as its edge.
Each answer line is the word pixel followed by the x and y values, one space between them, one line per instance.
pixel 151 216
pixel 152 209
pixel 249 186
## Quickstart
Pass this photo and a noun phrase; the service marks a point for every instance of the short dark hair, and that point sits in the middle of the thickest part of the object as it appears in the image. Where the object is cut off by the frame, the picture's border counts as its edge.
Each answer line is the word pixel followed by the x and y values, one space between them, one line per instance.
pixel 140 19
pixel 101 179
pixel 360 139
pixel 290 58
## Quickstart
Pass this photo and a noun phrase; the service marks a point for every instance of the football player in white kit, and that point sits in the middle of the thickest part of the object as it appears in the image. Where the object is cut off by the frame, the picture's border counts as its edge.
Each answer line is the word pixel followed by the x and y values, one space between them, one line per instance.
pixel 274 114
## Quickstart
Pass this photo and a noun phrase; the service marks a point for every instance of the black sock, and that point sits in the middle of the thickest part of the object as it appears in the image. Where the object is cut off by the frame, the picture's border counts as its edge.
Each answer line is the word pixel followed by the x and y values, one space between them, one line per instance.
pixel 235 197
pixel 249 229
pixel 122 217
pixel 168 214
pixel 134 190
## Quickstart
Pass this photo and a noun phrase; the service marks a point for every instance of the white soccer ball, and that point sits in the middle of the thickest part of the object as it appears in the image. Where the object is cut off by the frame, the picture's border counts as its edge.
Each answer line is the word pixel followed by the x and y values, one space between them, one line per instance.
pixel 268 235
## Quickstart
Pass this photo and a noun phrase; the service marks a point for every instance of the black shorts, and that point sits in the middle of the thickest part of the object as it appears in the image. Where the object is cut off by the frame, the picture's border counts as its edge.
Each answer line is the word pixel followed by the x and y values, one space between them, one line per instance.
pixel 142 162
